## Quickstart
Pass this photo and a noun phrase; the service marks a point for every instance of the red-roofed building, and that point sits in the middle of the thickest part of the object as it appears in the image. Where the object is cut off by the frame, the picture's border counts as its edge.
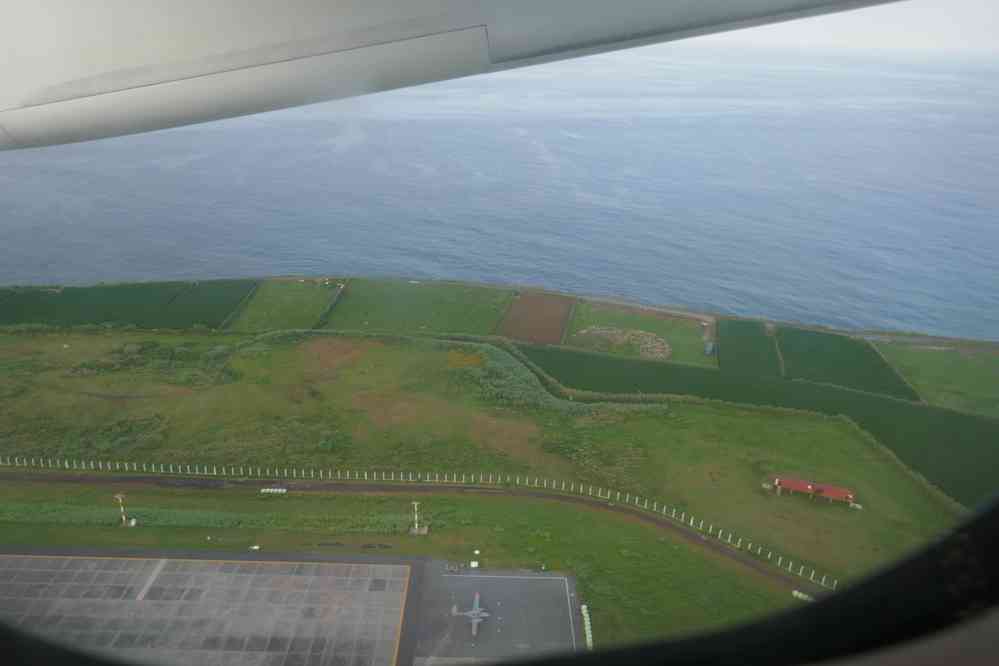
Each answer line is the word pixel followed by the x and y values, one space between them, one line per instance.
pixel 831 493
pixel 834 493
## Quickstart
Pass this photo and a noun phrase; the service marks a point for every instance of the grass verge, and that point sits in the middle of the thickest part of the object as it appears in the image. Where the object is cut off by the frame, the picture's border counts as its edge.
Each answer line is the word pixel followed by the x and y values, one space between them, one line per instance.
pixel 640 583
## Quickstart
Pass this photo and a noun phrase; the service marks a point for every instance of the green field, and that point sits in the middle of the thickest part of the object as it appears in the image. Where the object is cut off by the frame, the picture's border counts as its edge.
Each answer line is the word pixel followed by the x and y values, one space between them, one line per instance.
pixel 948 448
pixel 955 377
pixel 176 305
pixel 745 349
pixel 208 303
pixel 684 336
pixel 366 403
pixel 639 582
pixel 399 306
pixel 285 304
pixel 838 359
pixel 144 305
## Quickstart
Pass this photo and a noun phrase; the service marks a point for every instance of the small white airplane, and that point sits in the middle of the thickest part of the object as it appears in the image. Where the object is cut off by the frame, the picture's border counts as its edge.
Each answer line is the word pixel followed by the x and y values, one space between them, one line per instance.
pixel 476 616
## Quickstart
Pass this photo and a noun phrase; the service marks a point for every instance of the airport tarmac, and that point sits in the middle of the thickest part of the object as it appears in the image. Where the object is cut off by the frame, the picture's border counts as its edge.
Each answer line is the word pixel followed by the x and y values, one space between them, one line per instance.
pixel 169 608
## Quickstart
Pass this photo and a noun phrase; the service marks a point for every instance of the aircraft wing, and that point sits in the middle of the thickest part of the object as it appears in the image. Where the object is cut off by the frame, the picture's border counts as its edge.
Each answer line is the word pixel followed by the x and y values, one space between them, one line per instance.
pixel 73 71
pixel 475 626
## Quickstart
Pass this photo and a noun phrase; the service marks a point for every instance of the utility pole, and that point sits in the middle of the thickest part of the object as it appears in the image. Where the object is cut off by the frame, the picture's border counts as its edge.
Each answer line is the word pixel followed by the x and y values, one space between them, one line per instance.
pixel 121 505
pixel 416 530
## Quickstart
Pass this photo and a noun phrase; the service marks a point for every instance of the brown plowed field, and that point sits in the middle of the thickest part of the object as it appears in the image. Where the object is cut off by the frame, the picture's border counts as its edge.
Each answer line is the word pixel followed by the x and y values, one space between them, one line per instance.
pixel 537 317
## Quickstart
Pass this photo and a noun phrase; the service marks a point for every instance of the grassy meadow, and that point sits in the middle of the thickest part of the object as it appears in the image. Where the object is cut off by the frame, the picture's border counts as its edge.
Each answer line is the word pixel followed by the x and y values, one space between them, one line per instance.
pixel 285 304
pixel 949 376
pixel 640 583
pixel 683 335
pixel 408 307
pixel 379 403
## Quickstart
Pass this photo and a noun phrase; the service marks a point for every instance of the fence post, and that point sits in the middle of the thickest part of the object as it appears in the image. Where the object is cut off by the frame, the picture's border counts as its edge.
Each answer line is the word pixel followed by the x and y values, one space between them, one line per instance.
pixel 673 513
pixel 835 583
pixel 779 560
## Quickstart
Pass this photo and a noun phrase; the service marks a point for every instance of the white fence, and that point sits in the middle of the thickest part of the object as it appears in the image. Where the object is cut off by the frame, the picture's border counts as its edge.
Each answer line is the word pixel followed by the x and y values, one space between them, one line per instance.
pixel 707 529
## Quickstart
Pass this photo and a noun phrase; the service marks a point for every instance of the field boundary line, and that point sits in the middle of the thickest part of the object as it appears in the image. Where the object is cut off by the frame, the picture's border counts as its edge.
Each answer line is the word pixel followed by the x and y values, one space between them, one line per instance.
pixel 541 487
pixel 514 294
pixel 324 318
pixel 567 325
pixel 780 355
pixel 895 370
pixel 238 310
pixel 189 287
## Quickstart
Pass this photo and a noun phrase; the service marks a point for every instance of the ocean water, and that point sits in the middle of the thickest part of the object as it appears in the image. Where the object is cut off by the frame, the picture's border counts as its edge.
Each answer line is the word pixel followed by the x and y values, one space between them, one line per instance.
pixel 859 192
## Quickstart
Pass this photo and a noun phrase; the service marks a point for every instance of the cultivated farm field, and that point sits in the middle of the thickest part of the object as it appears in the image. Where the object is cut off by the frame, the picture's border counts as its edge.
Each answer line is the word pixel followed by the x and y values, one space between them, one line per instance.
pixel 413 307
pixel 142 304
pixel 683 334
pixel 175 305
pixel 538 317
pixel 745 348
pixel 839 359
pixel 281 304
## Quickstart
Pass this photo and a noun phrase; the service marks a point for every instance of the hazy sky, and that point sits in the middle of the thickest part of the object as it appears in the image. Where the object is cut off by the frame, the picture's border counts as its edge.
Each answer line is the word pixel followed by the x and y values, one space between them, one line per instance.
pixel 938 25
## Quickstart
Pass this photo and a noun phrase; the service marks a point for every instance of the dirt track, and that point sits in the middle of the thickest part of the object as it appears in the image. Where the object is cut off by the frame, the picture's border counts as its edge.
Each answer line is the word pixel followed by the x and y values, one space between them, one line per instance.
pixel 690 536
